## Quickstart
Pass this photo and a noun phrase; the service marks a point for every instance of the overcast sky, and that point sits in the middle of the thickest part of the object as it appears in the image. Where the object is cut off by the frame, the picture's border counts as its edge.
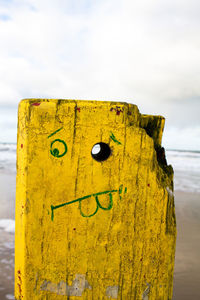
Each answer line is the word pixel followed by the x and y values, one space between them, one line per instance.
pixel 145 52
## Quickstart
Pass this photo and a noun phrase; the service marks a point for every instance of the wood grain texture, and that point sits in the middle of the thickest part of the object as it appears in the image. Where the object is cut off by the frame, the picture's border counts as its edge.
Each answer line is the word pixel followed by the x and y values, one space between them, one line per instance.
pixel 125 249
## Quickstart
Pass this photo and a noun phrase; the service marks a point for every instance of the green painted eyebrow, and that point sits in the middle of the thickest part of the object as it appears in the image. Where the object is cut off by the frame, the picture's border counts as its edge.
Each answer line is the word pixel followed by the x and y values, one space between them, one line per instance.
pixel 55 132
pixel 114 139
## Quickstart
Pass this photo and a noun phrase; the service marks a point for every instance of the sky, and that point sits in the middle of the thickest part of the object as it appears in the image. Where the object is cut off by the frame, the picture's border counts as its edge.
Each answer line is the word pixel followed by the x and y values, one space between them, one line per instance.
pixel 145 52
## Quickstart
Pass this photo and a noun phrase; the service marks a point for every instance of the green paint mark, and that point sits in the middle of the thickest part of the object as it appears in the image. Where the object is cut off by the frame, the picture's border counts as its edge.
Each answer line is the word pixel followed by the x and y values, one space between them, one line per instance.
pixel 52 213
pixel 125 191
pixel 98 204
pixel 55 152
pixel 110 202
pixel 114 139
pixel 120 188
pixel 87 216
pixel 55 132
pixel 120 191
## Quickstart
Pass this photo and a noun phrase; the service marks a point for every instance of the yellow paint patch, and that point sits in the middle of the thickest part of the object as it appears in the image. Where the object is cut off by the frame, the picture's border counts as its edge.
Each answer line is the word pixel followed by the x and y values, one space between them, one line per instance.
pixel 106 227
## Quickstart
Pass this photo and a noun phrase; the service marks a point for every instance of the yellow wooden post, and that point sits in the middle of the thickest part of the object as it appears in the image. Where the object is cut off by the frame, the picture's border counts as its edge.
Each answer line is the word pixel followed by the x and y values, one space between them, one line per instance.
pixel 94 203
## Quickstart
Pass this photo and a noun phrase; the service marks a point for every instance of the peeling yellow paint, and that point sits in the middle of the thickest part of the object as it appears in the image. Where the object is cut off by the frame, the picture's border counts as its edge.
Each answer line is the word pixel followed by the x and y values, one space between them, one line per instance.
pixel 104 227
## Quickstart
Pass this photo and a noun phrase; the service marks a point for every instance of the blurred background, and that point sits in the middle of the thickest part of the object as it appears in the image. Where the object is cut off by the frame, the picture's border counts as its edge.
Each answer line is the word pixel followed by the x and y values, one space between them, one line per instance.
pixel 145 52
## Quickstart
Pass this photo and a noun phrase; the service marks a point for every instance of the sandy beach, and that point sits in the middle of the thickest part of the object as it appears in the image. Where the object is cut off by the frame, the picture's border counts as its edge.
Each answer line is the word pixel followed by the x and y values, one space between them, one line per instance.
pixel 187 262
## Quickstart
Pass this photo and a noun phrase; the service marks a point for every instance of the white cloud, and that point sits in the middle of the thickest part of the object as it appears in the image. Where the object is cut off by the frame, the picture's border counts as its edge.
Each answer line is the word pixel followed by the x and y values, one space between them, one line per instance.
pixel 142 51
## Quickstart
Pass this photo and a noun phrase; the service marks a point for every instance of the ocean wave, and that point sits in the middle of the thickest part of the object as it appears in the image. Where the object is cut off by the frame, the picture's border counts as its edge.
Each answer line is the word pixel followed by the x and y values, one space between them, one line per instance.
pixel 8 147
pixel 186 165
pixel 10 297
pixel 7 225
pixel 8 156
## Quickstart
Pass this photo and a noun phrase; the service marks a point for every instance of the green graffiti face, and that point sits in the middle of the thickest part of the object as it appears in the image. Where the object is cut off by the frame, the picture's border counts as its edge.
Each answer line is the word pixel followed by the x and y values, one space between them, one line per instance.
pixel 58 148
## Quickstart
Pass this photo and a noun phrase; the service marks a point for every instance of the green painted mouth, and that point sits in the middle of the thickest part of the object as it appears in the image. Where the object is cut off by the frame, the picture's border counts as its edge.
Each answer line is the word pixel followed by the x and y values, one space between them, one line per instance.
pixel 98 204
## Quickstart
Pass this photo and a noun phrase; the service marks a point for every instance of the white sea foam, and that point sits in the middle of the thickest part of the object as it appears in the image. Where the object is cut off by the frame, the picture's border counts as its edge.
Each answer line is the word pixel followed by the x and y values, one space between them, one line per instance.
pixel 9 245
pixel 8 225
pixel 8 157
pixel 10 297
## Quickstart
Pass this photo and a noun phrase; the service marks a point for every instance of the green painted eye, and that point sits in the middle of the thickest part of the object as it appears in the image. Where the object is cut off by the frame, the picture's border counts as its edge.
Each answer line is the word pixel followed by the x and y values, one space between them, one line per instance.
pixel 58 148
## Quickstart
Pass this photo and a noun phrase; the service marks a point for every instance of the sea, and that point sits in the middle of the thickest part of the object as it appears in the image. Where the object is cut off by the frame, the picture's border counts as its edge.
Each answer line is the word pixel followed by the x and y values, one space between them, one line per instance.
pixel 186 165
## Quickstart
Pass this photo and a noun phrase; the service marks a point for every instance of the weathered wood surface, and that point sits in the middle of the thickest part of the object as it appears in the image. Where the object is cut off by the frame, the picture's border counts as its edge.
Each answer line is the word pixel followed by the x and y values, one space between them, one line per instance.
pixel 88 229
